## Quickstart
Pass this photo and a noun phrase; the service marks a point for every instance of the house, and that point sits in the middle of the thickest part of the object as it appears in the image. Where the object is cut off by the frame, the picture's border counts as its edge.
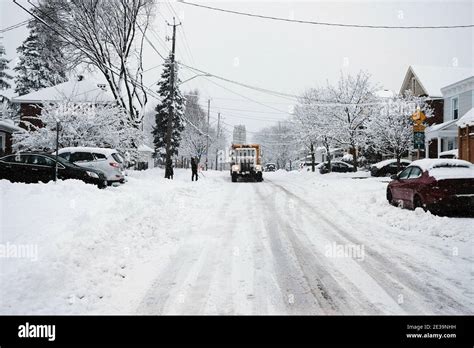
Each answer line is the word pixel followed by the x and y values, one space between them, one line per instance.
pixel 466 135
pixel 7 128
pixel 79 90
pixel 458 99
pixel 428 81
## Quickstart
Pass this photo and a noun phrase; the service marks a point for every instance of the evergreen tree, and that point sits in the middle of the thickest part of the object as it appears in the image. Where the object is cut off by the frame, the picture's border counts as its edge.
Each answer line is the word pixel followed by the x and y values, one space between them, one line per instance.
pixel 42 63
pixel 162 112
pixel 4 76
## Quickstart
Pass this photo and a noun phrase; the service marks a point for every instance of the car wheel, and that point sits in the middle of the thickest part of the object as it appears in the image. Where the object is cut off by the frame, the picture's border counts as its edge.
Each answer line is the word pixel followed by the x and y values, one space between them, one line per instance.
pixel 390 197
pixel 234 178
pixel 418 203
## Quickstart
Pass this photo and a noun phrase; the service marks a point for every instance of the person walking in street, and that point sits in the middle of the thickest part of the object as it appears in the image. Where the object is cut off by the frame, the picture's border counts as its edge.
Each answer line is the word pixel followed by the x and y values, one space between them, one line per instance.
pixel 194 168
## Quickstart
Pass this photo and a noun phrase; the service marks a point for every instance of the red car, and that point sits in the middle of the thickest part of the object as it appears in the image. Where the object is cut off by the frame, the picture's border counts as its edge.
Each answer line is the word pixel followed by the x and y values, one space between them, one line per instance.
pixel 438 185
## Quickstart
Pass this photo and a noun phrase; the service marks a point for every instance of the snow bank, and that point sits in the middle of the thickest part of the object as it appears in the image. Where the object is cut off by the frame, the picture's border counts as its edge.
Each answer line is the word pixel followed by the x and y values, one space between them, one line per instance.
pixel 93 246
pixel 362 200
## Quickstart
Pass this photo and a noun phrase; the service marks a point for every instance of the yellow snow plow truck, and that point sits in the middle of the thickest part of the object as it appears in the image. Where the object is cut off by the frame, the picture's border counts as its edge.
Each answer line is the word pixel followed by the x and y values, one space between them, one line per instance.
pixel 245 162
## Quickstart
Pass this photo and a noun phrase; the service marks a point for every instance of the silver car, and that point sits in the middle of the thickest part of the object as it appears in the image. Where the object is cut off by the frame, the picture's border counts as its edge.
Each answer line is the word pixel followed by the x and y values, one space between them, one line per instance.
pixel 108 161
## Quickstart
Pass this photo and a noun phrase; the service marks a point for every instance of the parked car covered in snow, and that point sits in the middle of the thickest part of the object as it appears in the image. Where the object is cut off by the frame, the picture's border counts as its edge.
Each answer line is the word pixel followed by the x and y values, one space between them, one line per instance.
pixel 449 154
pixel 34 167
pixel 388 167
pixel 336 166
pixel 108 161
pixel 438 185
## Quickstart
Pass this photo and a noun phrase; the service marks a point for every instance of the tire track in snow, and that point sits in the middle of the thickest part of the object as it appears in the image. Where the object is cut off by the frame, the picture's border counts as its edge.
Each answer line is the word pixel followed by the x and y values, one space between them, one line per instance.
pixel 300 272
pixel 182 285
pixel 390 276
pixel 425 268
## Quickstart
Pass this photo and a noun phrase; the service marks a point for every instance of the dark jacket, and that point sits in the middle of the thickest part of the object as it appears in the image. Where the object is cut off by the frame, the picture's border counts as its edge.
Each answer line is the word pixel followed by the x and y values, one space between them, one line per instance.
pixel 194 166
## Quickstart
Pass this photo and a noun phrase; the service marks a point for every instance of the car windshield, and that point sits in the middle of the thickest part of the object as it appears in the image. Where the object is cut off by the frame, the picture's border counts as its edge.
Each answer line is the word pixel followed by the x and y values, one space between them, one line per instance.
pixel 61 159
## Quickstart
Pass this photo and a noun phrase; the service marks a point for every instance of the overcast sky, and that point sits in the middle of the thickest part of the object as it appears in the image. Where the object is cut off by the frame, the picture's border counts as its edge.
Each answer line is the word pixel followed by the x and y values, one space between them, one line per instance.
pixel 290 57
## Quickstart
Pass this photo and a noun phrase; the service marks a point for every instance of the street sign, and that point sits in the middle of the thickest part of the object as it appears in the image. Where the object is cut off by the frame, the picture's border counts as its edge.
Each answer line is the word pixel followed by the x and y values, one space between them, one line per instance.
pixel 418 116
pixel 418 128
pixel 419 140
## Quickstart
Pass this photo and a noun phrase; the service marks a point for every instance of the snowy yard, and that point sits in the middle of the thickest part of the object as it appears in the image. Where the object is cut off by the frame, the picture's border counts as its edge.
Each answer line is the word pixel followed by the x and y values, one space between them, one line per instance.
pixel 298 243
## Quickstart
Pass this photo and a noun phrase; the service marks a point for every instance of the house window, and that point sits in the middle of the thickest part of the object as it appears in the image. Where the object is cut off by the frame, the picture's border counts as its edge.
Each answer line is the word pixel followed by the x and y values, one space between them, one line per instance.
pixel 455 108
pixel 413 85
pixel 450 144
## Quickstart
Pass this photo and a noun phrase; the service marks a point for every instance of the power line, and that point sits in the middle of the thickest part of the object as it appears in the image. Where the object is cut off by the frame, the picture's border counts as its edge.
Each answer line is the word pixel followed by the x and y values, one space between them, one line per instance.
pixel 187 47
pixel 326 23
pixel 259 89
pixel 15 26
pixel 248 98
pixel 317 102
pixel 128 78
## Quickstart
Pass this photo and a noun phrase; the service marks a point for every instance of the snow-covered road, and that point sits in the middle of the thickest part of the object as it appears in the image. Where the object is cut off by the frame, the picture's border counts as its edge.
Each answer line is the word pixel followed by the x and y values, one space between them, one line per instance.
pixel 298 243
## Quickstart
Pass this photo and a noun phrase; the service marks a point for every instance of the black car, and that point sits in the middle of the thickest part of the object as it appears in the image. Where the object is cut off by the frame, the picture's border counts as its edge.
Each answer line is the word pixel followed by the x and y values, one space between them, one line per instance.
pixel 336 166
pixel 388 167
pixel 270 167
pixel 33 167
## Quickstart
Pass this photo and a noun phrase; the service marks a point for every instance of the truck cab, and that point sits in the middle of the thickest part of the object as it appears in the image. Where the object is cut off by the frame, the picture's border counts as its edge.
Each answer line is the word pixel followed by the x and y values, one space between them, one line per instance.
pixel 245 161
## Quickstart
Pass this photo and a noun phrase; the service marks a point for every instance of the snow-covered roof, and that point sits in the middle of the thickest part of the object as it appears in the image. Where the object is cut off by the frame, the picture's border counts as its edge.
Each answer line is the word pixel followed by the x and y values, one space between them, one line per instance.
pixel 385 93
pixel 449 153
pixel 101 150
pixel 467 119
pixel 433 78
pixel 9 126
pixel 440 126
pixel 431 163
pixel 7 93
pixel 87 90
pixel 382 164
pixel 145 148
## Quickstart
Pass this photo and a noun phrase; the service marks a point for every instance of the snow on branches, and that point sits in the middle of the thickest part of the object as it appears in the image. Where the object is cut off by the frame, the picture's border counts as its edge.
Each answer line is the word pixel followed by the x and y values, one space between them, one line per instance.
pixel 81 124
pixel 195 140
pixel 351 115
pixel 390 131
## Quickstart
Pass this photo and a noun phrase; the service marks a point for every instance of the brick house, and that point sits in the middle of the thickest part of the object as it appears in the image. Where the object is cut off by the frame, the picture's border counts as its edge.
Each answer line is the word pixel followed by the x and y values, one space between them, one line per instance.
pixel 428 81
pixel 7 127
pixel 466 136
pixel 79 90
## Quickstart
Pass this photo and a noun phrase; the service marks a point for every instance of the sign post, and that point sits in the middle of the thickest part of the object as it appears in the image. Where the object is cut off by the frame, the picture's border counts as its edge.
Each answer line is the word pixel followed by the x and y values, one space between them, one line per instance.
pixel 418 118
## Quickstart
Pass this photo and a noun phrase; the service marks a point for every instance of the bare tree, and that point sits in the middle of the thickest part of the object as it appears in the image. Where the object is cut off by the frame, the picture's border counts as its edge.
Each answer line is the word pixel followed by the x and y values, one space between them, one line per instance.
pixel 313 121
pixel 390 131
pixel 109 35
pixel 278 143
pixel 194 137
pixel 354 102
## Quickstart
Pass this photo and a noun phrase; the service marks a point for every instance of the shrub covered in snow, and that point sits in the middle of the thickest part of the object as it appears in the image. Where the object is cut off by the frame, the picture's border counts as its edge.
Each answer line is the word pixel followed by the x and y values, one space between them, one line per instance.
pixel 81 124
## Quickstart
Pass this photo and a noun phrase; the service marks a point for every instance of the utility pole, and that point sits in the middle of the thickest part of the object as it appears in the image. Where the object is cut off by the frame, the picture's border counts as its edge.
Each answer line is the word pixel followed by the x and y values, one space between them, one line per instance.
pixel 207 138
pixel 217 136
pixel 58 124
pixel 168 162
